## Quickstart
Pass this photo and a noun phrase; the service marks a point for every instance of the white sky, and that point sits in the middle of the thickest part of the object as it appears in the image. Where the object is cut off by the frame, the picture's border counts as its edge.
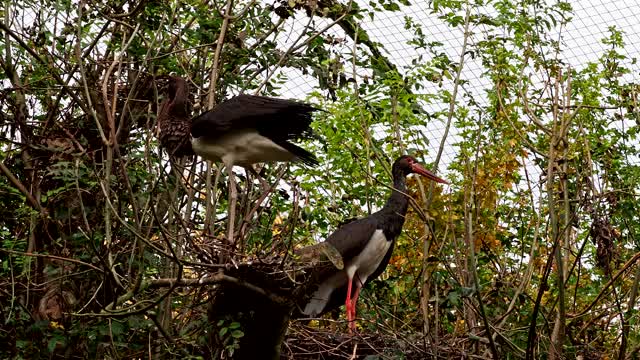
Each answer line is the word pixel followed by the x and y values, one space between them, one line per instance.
pixel 580 42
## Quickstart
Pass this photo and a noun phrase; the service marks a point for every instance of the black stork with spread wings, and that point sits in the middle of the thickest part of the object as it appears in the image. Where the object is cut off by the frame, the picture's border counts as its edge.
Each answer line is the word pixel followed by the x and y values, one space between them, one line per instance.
pixel 248 129
pixel 366 244
pixel 243 130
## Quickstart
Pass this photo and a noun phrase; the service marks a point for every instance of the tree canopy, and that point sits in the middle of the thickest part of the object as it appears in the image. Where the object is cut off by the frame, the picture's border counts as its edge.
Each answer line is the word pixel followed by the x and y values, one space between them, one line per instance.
pixel 110 248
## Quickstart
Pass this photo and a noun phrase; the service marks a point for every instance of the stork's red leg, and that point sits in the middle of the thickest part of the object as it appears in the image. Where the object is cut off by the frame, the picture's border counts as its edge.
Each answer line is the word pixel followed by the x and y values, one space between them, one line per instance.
pixel 347 303
pixel 233 199
pixel 355 299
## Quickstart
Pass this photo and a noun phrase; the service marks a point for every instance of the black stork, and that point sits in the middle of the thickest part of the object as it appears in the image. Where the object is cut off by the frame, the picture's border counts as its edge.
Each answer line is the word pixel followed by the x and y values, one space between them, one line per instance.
pixel 366 244
pixel 243 130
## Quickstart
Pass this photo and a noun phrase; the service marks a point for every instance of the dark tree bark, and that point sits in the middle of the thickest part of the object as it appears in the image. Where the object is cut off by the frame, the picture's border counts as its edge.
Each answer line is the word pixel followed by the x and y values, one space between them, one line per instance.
pixel 263 302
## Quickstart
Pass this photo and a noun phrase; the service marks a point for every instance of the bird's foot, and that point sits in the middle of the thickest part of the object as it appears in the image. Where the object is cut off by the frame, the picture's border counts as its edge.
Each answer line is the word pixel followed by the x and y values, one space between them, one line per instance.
pixel 353 309
pixel 351 316
pixel 352 326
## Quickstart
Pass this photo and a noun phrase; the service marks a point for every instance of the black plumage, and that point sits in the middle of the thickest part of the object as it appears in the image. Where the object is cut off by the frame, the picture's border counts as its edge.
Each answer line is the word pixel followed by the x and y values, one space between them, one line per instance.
pixel 366 245
pixel 243 130
pixel 279 120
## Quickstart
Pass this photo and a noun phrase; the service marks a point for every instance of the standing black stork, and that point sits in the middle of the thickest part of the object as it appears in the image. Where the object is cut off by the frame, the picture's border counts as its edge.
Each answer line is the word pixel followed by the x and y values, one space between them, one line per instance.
pixel 243 130
pixel 366 244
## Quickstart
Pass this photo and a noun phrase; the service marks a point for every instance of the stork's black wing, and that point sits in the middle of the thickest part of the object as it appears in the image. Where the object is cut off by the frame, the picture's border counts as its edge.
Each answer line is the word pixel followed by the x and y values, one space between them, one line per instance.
pixel 352 238
pixel 359 233
pixel 336 299
pixel 278 119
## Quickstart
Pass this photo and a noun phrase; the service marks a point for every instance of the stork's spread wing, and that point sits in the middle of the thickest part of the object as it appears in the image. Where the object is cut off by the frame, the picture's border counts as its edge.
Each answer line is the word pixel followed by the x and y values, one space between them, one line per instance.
pixel 274 118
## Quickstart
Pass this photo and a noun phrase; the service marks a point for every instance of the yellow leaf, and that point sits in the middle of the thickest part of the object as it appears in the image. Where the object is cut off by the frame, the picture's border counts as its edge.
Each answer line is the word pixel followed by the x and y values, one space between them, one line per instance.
pixel 460 326
pixel 276 228
pixel 56 325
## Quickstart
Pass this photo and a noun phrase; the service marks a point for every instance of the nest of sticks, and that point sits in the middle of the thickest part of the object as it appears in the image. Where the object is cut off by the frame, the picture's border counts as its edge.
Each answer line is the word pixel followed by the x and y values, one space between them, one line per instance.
pixel 327 342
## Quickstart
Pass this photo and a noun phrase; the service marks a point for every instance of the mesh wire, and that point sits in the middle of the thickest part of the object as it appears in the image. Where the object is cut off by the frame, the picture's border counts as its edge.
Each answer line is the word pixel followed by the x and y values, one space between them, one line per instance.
pixel 580 43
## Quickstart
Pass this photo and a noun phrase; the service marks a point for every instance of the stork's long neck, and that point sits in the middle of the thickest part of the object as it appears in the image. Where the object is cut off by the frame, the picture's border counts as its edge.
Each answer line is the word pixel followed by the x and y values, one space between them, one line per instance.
pixel 174 119
pixel 180 100
pixel 396 207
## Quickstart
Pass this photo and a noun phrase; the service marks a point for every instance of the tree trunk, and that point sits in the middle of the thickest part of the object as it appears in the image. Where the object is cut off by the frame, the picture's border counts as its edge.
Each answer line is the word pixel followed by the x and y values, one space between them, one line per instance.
pixel 262 321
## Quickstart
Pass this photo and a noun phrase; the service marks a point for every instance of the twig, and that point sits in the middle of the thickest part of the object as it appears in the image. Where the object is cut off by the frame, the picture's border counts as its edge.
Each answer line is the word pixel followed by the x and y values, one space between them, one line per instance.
pixel 18 184
pixel 353 353
pixel 47 256
pixel 214 279
pixel 216 55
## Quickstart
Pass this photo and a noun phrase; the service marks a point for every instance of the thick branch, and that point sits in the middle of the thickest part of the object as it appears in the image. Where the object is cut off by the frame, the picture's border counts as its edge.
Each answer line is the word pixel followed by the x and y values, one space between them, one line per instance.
pixel 214 279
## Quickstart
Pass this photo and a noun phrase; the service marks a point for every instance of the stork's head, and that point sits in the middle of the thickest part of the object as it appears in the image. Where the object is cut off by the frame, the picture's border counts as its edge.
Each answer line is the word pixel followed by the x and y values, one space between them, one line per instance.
pixel 177 93
pixel 409 165
pixel 173 86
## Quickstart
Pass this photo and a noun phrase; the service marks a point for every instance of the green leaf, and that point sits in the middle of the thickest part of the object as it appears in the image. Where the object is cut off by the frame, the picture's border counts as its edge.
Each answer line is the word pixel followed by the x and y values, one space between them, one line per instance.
pixel 53 342
pixel 117 328
pixel 234 325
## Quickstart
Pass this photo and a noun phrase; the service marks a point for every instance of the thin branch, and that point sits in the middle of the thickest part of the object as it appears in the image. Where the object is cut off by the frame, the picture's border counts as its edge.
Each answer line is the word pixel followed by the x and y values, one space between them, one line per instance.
pixel 609 283
pixel 295 47
pixel 215 279
pixel 469 206
pixel 47 256
pixel 18 184
pixel 50 69
pixel 216 55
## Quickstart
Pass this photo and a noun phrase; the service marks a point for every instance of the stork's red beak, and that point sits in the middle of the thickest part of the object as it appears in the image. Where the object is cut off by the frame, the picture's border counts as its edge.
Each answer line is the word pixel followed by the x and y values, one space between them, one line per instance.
pixel 418 169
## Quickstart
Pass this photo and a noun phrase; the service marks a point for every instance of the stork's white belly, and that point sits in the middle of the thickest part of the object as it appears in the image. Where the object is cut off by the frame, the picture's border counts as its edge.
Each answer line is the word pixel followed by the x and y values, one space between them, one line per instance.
pixel 370 258
pixel 319 299
pixel 240 148
pixel 359 268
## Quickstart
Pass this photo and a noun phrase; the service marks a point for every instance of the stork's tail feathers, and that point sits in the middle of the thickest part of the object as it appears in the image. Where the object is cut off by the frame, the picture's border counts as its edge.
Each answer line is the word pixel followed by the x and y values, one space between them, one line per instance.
pixel 303 155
